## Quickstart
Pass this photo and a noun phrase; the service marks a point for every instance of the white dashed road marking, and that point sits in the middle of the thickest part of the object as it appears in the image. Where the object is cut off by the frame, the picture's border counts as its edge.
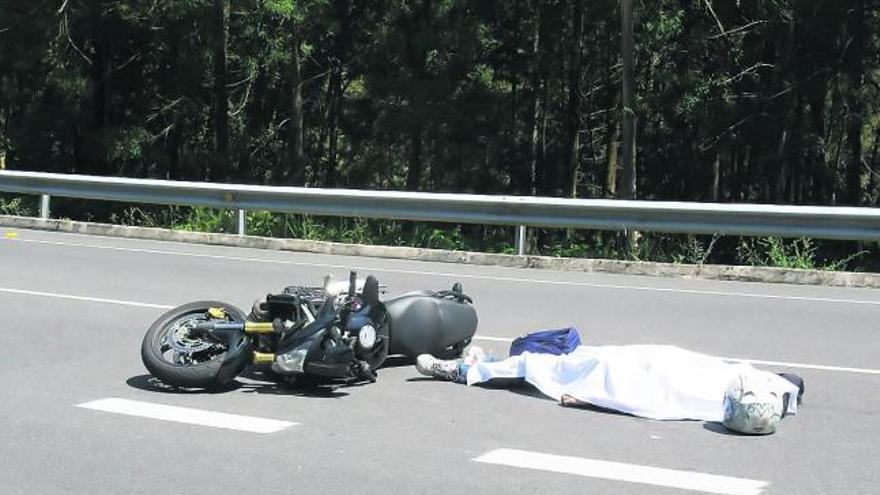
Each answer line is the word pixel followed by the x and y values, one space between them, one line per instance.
pixel 187 415
pixel 618 471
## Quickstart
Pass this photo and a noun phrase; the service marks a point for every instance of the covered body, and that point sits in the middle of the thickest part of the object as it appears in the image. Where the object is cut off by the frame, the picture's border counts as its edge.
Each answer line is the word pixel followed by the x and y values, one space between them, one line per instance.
pixel 651 381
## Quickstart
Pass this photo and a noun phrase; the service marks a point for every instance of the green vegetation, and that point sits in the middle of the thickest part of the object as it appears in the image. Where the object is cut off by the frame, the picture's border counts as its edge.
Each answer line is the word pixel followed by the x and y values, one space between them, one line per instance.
pixel 21 206
pixel 746 102
pixel 796 253
pixel 308 227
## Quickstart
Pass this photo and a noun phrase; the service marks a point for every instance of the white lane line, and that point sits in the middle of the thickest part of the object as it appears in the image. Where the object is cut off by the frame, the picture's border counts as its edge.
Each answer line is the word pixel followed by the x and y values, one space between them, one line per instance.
pixel 83 298
pixel 459 275
pixel 781 364
pixel 490 338
pixel 187 415
pixel 821 367
pixel 618 471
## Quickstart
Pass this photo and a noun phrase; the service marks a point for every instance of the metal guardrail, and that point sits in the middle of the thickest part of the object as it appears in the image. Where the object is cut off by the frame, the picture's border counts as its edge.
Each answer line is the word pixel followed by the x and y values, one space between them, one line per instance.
pixel 521 211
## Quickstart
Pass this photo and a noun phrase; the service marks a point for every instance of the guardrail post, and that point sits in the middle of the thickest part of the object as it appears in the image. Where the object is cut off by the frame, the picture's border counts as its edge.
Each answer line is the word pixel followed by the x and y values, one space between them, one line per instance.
pixel 520 240
pixel 44 206
pixel 240 222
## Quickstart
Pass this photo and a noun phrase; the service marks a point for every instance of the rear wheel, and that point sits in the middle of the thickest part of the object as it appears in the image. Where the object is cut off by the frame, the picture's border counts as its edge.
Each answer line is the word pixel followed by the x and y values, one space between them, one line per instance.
pixel 177 357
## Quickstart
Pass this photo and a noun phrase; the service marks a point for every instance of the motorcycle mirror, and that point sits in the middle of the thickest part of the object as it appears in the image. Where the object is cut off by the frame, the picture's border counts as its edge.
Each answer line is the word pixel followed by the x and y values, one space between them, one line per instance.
pixel 371 291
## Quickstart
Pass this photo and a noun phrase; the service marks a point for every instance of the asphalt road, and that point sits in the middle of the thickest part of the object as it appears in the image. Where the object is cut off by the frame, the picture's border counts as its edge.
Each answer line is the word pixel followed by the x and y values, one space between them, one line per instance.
pixel 76 308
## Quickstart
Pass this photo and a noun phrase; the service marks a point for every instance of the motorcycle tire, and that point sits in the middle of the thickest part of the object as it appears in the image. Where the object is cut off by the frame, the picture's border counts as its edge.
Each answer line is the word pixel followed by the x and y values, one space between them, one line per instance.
pixel 205 374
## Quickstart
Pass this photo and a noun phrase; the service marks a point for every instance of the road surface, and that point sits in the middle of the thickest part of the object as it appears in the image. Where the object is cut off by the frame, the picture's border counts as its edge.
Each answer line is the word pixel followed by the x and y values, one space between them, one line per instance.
pixel 80 415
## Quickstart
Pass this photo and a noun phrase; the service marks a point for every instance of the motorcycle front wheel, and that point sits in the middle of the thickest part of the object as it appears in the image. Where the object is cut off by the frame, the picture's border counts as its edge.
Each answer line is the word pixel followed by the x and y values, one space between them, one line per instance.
pixel 175 356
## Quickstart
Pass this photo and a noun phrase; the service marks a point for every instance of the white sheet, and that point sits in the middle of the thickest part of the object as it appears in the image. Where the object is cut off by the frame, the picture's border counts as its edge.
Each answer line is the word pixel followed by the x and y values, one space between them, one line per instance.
pixel 652 381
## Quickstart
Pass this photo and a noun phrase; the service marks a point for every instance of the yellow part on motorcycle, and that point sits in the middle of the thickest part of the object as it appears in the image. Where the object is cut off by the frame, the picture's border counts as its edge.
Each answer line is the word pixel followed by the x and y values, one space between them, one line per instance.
pixel 258 327
pixel 217 313
pixel 263 358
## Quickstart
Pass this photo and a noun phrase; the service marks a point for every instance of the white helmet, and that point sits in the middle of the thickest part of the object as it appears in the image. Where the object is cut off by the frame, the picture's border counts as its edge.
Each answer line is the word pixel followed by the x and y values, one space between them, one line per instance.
pixel 751 405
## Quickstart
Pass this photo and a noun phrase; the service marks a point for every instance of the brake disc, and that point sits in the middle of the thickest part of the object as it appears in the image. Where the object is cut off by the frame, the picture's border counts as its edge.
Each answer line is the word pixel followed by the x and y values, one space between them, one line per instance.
pixel 182 342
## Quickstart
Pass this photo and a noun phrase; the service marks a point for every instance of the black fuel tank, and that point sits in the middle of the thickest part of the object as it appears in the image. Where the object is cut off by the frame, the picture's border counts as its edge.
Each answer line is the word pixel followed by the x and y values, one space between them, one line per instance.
pixel 426 322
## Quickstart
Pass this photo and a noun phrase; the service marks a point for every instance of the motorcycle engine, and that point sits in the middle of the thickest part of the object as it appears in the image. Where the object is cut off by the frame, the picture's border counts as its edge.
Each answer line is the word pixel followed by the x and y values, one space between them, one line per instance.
pixel 292 361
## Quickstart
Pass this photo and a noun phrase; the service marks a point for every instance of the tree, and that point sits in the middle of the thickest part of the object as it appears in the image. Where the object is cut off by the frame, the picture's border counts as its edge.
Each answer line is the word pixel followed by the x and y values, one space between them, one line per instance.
pixel 628 189
pixel 220 42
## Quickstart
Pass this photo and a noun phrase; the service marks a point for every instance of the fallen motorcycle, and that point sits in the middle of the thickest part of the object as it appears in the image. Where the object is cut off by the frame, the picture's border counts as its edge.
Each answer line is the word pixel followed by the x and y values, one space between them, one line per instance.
pixel 303 331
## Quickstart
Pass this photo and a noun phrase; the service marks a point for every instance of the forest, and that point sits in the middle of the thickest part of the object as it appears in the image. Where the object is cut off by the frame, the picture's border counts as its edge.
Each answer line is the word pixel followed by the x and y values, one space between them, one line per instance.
pixel 757 101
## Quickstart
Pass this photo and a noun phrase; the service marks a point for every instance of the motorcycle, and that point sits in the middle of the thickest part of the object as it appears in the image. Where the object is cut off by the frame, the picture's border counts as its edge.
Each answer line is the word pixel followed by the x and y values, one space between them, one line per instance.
pixel 325 332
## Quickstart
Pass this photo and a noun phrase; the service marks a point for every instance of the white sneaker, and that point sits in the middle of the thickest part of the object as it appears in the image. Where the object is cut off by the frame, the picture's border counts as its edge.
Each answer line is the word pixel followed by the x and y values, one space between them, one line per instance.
pixel 443 369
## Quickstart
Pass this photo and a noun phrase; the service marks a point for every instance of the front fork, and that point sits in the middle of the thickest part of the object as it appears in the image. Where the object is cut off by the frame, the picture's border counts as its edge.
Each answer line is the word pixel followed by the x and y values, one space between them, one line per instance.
pixel 239 343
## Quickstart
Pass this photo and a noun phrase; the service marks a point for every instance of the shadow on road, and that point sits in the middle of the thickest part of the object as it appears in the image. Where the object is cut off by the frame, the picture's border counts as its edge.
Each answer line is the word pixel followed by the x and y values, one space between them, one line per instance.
pixel 316 391
pixel 716 427
pixel 398 362
pixel 260 381
pixel 255 383
pixel 152 384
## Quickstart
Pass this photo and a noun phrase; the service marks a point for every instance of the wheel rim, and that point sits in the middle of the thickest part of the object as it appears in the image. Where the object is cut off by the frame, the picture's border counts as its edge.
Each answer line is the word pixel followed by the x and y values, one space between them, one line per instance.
pixel 177 346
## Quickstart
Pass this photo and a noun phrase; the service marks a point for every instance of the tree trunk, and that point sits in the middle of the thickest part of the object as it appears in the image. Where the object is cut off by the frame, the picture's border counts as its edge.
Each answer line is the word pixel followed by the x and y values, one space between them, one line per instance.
pixel 172 168
pixel 343 14
pixel 535 114
pixel 854 59
pixel 324 107
pixel 782 176
pixel 220 168
pixel 873 172
pixel 98 93
pixel 815 191
pixel 574 100
pixel 716 178
pixel 628 125
pixel 296 168
pixel 335 101
pixel 611 167
pixel 854 162
pixel 541 176
pixel 414 170
pixel 628 187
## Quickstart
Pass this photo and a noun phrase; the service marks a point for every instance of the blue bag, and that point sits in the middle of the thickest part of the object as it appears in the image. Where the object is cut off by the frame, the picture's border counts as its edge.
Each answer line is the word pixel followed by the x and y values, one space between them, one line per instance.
pixel 561 341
